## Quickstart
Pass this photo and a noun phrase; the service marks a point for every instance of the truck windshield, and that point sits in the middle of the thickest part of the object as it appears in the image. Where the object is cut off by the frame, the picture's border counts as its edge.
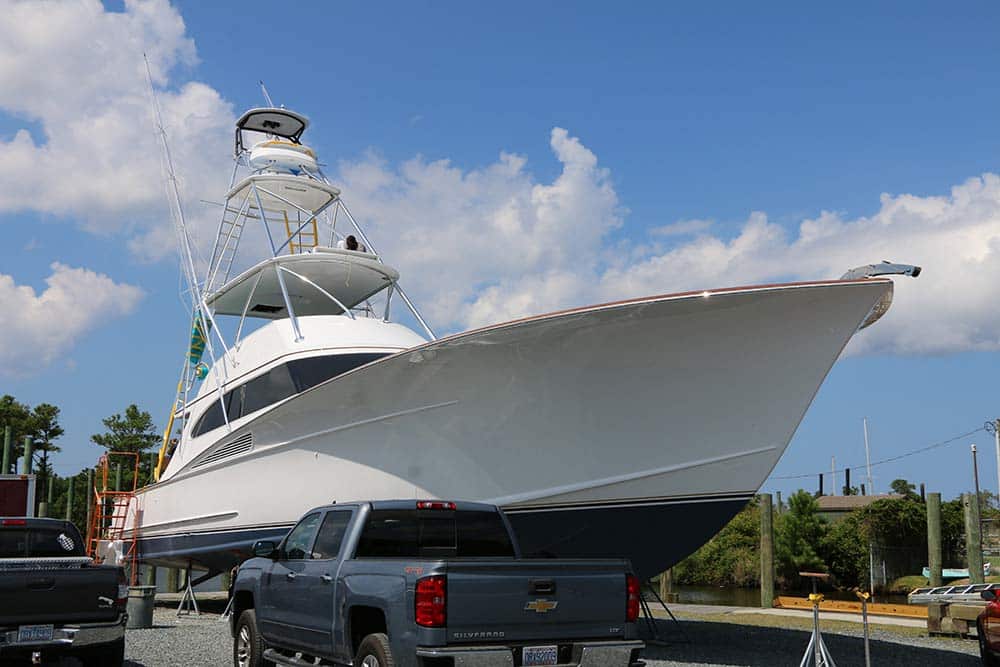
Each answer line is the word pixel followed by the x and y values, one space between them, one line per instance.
pixel 40 542
pixel 434 533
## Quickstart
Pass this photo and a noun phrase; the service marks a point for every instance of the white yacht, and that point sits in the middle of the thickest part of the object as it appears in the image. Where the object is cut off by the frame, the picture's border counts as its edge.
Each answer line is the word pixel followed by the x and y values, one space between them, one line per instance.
pixel 596 428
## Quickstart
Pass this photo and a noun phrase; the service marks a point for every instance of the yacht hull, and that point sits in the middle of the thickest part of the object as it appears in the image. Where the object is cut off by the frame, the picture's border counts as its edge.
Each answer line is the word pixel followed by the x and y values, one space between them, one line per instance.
pixel 632 429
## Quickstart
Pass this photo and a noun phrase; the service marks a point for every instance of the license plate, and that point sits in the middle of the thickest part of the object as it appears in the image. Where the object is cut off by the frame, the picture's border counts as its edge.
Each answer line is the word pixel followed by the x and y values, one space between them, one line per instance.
pixel 34 633
pixel 539 655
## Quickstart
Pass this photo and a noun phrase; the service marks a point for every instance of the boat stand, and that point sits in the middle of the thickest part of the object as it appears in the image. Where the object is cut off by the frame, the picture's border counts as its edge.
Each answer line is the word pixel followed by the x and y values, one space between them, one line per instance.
pixel 655 637
pixel 188 600
pixel 817 653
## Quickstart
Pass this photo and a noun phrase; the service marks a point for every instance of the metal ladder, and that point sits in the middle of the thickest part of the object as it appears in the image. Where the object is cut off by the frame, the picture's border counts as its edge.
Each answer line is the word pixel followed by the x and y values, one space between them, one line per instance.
pixel 298 241
pixel 226 243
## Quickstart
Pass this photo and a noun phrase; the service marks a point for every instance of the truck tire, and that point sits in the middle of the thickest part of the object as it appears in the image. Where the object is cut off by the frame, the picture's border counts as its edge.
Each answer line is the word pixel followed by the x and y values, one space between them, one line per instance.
pixel 375 652
pixel 106 654
pixel 248 646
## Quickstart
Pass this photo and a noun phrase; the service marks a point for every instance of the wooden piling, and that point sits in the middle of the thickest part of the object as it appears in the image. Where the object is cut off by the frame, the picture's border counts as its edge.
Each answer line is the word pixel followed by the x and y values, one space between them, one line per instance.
pixel 173 580
pixel 89 494
pixel 973 538
pixel 28 454
pixel 6 451
pixel 150 575
pixel 69 500
pixel 766 551
pixel 934 537
pixel 43 507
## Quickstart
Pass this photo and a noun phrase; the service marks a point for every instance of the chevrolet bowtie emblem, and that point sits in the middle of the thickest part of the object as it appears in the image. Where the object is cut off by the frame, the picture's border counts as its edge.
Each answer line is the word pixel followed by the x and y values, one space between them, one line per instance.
pixel 541 606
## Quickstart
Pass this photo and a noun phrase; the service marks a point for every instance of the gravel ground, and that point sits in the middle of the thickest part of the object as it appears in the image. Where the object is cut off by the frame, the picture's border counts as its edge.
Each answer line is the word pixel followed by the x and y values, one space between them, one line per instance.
pixel 205 641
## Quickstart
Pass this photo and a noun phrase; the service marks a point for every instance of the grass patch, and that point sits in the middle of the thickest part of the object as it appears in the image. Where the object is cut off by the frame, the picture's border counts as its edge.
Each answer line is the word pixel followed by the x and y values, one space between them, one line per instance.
pixel 904 585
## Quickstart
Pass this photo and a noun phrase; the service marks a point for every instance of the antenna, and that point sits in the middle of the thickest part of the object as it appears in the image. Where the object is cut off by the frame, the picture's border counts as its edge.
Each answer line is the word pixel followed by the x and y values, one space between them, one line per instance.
pixel 201 316
pixel 266 96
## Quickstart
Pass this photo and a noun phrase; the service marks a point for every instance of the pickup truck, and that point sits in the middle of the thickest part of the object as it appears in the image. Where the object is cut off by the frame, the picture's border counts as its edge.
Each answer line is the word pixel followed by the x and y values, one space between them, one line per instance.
pixel 53 599
pixel 406 583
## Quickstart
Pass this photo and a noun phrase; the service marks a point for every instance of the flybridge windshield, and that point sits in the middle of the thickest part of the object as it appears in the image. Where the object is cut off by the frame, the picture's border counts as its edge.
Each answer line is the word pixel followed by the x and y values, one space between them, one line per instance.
pixel 40 542
pixel 434 533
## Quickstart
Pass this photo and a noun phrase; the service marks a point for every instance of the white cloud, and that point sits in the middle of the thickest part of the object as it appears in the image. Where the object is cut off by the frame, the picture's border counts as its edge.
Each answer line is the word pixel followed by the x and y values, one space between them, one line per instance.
pixel 475 246
pixel 77 71
pixel 47 325
pixel 492 243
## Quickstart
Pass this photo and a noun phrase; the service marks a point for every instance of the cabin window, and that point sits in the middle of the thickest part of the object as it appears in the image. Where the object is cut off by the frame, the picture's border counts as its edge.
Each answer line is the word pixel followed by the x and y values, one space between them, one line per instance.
pixel 312 371
pixel 278 384
pixel 267 389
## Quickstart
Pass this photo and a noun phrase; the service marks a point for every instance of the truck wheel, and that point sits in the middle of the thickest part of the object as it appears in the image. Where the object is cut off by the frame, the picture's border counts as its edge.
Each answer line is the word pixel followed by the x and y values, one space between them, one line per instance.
pixel 375 652
pixel 248 646
pixel 107 654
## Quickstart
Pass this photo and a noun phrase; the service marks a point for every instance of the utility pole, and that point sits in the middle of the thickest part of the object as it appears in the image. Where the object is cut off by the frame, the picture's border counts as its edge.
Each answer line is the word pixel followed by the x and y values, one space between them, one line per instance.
pixel 996 440
pixel 975 477
pixel 868 460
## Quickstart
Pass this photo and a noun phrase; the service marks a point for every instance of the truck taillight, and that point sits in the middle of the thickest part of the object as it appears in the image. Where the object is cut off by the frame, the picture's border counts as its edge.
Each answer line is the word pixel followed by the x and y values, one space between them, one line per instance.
pixel 429 602
pixel 122 589
pixel 632 593
pixel 435 505
pixel 14 522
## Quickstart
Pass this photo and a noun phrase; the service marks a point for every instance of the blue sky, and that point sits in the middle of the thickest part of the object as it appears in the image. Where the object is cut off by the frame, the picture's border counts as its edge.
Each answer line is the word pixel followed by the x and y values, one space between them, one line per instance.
pixel 709 113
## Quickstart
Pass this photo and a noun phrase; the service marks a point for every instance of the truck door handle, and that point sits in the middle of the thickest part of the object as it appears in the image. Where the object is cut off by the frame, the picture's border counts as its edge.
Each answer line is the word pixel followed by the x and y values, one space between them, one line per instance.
pixel 290 576
pixel 326 578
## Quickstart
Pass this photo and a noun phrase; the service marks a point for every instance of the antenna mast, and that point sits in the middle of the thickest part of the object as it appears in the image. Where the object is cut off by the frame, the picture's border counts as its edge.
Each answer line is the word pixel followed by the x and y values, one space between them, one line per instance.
pixel 266 96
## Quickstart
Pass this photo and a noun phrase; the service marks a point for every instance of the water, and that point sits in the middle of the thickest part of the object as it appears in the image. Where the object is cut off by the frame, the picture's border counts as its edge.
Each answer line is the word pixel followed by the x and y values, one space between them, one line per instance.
pixel 750 597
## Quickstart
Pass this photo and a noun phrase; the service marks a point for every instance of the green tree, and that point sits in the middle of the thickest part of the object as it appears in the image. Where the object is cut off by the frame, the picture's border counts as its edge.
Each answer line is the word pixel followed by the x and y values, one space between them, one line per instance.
pixel 731 558
pixel 845 550
pixel 798 536
pixel 132 432
pixel 904 488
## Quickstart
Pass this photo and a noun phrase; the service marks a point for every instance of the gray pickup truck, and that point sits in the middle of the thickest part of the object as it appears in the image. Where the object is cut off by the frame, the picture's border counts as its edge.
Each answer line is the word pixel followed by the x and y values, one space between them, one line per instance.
pixel 407 583
pixel 53 599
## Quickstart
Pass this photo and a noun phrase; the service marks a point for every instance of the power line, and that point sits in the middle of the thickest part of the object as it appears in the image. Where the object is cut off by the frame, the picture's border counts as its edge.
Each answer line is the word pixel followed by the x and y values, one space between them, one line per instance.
pixel 914 452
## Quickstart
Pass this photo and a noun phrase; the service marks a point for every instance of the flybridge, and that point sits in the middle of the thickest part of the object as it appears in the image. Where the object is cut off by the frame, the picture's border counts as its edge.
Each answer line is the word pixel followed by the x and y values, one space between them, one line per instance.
pixel 286 247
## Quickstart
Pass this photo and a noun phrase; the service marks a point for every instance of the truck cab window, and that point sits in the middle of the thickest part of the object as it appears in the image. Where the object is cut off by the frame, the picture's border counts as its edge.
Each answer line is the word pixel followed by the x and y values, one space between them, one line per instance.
pixel 331 534
pixel 300 538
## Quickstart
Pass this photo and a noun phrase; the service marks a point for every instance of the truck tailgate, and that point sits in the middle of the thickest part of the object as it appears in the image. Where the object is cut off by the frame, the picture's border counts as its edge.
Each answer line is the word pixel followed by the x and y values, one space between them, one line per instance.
pixel 58 595
pixel 535 599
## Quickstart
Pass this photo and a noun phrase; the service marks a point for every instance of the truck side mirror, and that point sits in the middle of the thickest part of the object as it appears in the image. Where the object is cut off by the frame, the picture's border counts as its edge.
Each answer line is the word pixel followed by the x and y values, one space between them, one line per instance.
pixel 989 595
pixel 264 549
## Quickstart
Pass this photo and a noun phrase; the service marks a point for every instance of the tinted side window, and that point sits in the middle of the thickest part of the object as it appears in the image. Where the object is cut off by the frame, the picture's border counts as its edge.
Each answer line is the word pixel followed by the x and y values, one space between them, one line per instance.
pixel 213 418
pixel 331 534
pixel 267 389
pixel 300 538
pixel 314 370
pixel 390 534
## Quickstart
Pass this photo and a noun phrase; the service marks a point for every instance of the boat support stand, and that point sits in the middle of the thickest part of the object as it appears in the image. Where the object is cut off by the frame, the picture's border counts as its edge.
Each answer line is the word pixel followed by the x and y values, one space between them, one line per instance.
pixel 655 637
pixel 189 602
pixel 817 653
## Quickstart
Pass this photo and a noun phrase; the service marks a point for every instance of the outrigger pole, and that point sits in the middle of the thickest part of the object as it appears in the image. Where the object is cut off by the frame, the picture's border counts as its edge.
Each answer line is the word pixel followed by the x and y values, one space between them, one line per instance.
pixel 201 316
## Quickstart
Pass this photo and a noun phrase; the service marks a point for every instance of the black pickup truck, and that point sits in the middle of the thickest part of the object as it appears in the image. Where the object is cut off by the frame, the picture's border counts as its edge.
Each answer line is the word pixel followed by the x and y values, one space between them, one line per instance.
pixel 404 583
pixel 53 599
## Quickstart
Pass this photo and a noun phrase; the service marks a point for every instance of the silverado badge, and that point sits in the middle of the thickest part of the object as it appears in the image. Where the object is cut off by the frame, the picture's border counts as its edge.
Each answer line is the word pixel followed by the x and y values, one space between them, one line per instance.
pixel 541 606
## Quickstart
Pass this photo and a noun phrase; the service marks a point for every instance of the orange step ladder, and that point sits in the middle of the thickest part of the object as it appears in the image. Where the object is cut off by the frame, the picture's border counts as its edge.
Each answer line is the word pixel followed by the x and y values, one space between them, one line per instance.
pixel 112 510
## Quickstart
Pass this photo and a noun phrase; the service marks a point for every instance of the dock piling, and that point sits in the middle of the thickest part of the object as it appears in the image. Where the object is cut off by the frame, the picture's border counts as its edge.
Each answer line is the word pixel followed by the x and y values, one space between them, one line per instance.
pixel 28 454
pixel 69 500
pixel 973 537
pixel 6 450
pixel 934 538
pixel 766 551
